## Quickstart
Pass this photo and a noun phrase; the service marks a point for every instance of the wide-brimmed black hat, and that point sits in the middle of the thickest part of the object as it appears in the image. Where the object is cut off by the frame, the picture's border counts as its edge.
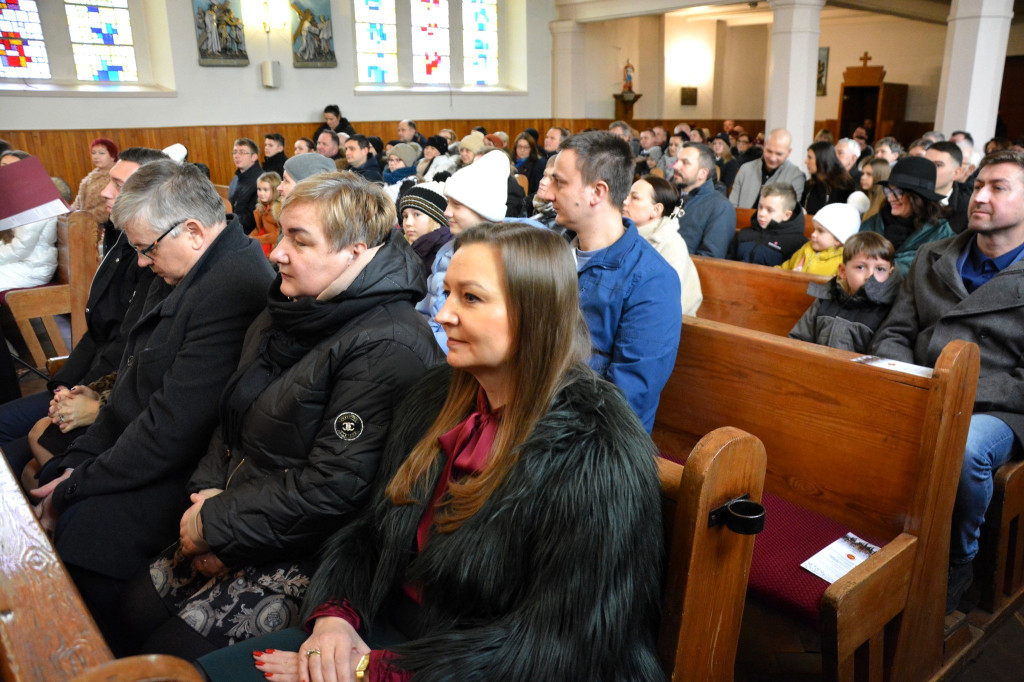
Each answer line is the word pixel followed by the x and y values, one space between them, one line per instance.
pixel 914 174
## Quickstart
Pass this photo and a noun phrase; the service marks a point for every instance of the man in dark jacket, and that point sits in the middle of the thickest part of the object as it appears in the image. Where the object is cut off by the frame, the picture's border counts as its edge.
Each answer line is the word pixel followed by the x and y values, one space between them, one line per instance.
pixel 99 350
pixel 273 153
pixel 708 221
pixel 119 491
pixel 357 153
pixel 969 287
pixel 948 160
pixel 242 190
pixel 776 231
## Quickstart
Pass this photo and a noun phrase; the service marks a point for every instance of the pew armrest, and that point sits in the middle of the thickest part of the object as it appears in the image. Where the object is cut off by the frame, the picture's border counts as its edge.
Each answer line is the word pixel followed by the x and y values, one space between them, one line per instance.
pixel 53 365
pixel 869 596
pixel 140 668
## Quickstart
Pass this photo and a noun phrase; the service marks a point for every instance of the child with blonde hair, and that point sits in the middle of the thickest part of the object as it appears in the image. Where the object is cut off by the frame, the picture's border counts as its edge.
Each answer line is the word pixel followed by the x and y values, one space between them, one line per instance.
pixel 268 208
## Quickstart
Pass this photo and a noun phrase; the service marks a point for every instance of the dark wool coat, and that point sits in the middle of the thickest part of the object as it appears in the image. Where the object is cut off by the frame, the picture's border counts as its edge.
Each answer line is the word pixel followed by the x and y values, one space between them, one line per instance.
pixel 124 499
pixel 99 350
pixel 295 476
pixel 555 578
pixel 242 195
pixel 933 308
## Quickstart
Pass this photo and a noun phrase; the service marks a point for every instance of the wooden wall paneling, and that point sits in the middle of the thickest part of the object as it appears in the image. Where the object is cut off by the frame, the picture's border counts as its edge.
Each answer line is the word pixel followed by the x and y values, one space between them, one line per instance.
pixel 65 153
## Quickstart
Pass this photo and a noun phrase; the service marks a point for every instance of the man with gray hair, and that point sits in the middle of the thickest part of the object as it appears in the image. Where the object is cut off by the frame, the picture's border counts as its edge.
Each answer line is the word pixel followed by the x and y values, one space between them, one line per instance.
pixel 773 167
pixel 848 152
pixel 116 496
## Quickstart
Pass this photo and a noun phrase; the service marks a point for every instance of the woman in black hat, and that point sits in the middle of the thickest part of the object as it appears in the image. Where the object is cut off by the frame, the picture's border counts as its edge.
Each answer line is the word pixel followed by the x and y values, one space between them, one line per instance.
pixel 913 215
pixel 830 183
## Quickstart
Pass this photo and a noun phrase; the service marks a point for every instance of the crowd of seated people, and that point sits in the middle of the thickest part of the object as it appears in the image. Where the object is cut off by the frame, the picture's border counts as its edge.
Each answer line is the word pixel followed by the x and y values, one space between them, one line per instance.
pixel 354 353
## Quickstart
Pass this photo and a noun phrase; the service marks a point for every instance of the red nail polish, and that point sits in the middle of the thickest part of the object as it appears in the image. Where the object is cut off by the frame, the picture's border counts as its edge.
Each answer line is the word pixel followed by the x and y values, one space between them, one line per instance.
pixel 269 675
pixel 260 663
pixel 257 654
pixel 270 651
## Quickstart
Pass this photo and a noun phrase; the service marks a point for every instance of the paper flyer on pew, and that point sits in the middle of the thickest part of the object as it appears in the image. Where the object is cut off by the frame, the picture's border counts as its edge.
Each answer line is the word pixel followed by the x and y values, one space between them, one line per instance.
pixel 836 560
pixel 28 194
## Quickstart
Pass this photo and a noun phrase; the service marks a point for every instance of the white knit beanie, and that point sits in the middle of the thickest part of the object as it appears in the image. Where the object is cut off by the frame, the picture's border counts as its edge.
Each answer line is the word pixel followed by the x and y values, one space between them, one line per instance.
pixel 842 220
pixel 482 186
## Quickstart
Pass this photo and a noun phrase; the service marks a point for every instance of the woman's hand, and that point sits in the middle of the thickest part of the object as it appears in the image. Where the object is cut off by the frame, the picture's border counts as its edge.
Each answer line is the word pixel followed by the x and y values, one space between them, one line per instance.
pixel 190 528
pixel 209 565
pixel 340 648
pixel 75 408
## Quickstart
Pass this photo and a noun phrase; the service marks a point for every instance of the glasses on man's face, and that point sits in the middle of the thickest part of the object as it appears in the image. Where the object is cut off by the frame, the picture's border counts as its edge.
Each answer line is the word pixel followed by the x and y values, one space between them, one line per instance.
pixel 149 249
pixel 893 193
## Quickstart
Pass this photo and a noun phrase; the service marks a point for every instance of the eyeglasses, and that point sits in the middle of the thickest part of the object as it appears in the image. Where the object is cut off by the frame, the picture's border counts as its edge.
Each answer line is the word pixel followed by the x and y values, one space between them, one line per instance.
pixel 149 249
pixel 893 193
pixel 860 137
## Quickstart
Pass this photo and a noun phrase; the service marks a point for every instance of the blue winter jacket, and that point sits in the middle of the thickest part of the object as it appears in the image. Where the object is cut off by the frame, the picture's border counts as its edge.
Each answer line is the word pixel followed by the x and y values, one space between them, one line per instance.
pixel 630 299
pixel 708 222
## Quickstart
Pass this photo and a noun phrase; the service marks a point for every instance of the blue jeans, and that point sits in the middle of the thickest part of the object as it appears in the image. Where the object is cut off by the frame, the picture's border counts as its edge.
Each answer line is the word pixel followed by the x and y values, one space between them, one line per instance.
pixel 990 444
pixel 17 417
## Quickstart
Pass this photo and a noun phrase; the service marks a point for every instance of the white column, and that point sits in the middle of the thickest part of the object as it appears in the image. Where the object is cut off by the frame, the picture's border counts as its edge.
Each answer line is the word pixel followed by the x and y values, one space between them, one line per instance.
pixel 972 67
pixel 793 71
pixel 568 70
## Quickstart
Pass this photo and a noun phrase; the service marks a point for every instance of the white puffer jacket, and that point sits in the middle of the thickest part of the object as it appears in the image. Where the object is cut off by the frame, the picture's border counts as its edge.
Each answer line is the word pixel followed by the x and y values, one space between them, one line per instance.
pixel 30 259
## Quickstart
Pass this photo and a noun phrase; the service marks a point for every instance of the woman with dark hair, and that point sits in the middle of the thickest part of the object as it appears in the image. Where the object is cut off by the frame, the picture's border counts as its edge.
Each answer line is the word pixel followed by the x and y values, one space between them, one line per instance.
pixel 913 215
pixel 303 421
pixel 516 528
pixel 528 161
pixel 104 155
pixel 333 120
pixel 830 182
pixel 653 203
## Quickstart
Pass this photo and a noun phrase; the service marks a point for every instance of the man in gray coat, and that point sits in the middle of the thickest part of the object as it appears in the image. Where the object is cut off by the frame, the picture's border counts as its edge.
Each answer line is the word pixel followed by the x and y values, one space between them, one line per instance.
pixel 118 492
pixel 771 168
pixel 971 287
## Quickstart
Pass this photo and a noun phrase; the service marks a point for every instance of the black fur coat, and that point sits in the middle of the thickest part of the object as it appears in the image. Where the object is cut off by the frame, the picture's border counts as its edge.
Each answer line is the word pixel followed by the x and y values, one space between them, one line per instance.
pixel 557 577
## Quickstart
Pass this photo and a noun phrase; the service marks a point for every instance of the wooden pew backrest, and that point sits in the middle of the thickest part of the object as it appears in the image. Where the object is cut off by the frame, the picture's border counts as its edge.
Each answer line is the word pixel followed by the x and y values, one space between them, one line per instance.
pixel 753 296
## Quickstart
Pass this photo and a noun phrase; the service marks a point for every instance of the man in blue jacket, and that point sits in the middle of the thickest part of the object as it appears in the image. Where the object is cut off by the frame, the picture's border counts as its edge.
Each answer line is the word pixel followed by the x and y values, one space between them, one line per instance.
pixel 708 221
pixel 629 293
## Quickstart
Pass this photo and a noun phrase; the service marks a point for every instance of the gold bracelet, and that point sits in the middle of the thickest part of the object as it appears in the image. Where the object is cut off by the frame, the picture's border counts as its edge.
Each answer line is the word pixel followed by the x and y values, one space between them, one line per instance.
pixel 362 666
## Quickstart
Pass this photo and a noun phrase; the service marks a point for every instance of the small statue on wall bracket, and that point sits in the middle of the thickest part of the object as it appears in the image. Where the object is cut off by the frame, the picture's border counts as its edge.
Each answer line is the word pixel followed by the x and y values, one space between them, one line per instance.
pixel 627 77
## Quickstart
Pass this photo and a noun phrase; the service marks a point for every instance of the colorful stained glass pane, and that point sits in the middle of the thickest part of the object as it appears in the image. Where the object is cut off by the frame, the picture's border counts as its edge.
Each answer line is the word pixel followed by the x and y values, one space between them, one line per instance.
pixel 377 68
pixel 481 71
pixel 479 16
pixel 22 48
pixel 105 63
pixel 430 13
pixel 430 40
pixel 375 11
pixel 99 3
pixel 480 42
pixel 432 69
pixel 99 25
pixel 376 38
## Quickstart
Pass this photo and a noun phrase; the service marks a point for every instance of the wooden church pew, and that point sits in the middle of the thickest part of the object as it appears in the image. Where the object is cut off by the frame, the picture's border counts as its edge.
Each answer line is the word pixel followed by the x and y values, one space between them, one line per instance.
pixel 873 449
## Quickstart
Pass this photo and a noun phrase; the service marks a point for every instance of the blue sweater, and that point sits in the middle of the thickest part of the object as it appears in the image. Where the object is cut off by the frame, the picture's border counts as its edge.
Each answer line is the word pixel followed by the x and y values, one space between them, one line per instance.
pixel 708 222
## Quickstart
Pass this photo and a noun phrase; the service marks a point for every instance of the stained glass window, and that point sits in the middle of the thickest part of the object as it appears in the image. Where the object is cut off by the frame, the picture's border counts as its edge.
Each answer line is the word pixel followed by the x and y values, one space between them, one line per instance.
pixel 480 41
pixel 22 49
pixel 101 39
pixel 431 47
pixel 376 41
